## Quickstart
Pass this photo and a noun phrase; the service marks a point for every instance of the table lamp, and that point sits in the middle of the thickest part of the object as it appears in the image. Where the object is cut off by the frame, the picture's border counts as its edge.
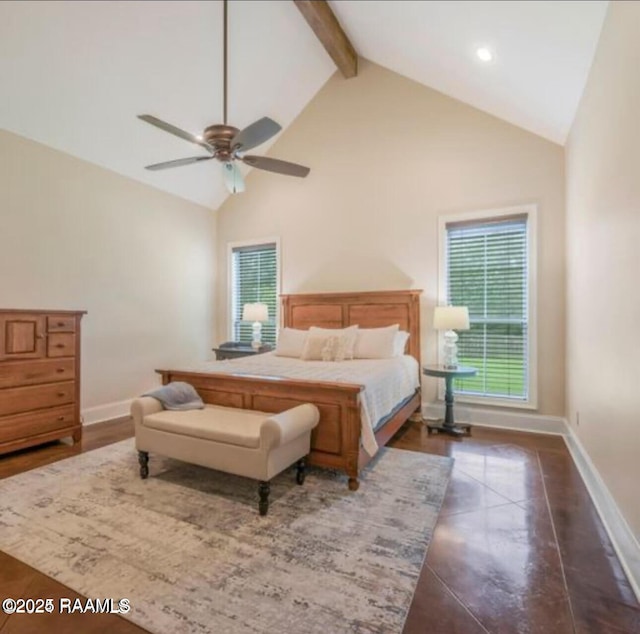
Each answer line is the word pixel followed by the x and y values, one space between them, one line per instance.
pixel 450 318
pixel 256 313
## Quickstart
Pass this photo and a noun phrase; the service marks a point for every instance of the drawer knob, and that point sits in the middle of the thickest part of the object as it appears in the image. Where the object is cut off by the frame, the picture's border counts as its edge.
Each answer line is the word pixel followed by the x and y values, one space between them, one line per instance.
pixel 59 370
pixel 60 324
pixel 61 394
pixel 59 345
pixel 60 417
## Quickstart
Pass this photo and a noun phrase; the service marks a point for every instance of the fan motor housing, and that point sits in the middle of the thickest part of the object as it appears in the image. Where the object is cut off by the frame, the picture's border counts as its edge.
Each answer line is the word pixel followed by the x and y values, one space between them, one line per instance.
pixel 220 136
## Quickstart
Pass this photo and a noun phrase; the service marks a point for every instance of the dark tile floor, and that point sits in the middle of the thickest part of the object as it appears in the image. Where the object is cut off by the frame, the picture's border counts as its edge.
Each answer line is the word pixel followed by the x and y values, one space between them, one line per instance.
pixel 518 547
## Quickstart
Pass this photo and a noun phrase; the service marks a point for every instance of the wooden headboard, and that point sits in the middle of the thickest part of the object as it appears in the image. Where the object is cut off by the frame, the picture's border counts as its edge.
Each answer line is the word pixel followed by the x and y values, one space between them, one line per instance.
pixel 373 309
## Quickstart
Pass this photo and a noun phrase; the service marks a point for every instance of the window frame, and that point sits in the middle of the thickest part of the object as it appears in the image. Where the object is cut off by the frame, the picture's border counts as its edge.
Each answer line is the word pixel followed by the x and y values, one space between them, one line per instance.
pixel 255 242
pixel 531 212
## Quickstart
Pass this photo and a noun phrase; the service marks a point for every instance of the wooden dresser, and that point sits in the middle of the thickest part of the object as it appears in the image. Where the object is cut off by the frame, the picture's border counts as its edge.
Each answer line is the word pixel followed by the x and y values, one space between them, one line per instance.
pixel 39 377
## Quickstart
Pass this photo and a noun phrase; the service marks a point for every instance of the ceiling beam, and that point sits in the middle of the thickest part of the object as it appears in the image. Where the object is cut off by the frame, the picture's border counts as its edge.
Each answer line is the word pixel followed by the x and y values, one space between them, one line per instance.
pixel 325 25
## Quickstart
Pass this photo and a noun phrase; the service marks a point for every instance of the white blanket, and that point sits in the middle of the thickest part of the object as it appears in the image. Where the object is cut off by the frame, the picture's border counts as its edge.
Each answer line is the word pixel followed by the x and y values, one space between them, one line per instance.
pixel 387 382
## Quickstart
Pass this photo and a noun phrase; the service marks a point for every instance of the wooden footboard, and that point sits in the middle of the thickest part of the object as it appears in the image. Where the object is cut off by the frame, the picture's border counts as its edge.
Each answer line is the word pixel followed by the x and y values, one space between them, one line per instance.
pixel 335 442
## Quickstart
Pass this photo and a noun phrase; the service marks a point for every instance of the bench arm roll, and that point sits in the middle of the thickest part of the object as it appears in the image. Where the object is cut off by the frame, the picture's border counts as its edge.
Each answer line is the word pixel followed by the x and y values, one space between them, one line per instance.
pixel 144 406
pixel 282 428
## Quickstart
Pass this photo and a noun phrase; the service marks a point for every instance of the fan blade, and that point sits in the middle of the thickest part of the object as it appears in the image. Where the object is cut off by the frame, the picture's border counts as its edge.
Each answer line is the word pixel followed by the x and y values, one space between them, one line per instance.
pixel 233 178
pixel 255 134
pixel 178 162
pixel 171 129
pixel 276 165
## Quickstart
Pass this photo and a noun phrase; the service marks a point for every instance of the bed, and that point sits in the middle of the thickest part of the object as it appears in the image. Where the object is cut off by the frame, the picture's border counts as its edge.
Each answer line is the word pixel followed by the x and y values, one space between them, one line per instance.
pixel 337 441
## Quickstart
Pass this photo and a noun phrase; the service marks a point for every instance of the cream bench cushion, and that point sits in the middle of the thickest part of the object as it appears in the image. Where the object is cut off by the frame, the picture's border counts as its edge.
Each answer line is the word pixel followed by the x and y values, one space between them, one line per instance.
pixel 222 424
pixel 243 442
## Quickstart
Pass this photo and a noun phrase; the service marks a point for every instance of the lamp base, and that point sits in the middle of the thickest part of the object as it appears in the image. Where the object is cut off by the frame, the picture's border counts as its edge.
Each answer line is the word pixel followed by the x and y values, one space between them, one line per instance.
pixel 256 342
pixel 450 350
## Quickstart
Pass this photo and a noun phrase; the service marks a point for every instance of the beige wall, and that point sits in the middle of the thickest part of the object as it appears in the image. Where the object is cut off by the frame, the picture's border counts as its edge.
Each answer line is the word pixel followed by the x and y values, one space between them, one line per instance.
pixel 603 251
pixel 140 261
pixel 387 156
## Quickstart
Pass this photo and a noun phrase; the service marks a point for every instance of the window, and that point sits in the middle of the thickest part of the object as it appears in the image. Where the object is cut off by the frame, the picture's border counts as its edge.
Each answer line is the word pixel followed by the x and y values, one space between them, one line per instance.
pixel 254 278
pixel 488 269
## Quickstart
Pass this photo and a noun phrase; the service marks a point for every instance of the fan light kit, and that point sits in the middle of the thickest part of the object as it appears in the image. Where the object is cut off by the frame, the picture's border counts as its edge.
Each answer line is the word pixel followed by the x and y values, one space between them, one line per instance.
pixel 228 144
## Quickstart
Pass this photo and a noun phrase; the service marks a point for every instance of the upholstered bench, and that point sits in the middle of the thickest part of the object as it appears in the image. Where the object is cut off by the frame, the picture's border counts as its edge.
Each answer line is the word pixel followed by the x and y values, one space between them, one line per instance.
pixel 246 443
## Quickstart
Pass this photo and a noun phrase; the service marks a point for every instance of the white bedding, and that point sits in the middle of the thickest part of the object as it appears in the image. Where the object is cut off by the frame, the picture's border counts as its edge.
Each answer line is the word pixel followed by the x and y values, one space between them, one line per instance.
pixel 387 382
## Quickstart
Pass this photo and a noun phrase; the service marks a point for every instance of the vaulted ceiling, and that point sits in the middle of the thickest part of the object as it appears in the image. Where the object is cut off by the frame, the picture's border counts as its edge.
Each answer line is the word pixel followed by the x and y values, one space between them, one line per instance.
pixel 542 52
pixel 74 75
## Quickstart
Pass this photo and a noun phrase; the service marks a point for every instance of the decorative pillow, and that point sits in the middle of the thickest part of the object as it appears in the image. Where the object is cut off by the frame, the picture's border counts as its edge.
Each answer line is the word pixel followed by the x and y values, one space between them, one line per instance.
pixel 319 348
pixel 325 347
pixel 376 343
pixel 348 339
pixel 400 343
pixel 290 342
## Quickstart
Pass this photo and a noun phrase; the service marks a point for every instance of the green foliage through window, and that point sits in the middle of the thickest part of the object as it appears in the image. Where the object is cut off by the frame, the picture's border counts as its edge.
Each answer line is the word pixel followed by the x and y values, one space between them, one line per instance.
pixel 254 279
pixel 487 265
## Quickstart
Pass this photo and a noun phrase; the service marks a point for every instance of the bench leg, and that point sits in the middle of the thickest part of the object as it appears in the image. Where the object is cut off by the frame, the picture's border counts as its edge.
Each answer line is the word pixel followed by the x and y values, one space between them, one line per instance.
pixel 263 491
pixel 143 461
pixel 300 470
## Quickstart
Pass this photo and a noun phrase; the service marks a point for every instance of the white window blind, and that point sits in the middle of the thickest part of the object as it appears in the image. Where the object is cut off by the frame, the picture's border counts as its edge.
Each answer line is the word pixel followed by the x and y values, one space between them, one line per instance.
pixel 487 271
pixel 254 275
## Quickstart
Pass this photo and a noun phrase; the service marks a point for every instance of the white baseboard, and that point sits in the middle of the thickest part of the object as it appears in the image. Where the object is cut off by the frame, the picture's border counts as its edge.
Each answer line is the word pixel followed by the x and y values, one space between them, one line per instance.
pixel 513 420
pixel 624 542
pixel 108 411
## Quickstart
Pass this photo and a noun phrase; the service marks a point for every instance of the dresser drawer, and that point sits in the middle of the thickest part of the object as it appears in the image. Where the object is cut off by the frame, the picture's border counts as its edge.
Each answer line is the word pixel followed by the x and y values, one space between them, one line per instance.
pixel 42 422
pixel 61 345
pixel 19 373
pixel 61 324
pixel 22 399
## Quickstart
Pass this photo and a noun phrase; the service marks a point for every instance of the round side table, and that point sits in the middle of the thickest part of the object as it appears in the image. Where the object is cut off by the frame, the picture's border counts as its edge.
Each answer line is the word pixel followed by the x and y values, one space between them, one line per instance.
pixel 448 426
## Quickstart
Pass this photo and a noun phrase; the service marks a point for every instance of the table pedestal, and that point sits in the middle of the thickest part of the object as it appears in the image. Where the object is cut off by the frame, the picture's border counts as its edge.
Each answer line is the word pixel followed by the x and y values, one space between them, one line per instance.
pixel 447 426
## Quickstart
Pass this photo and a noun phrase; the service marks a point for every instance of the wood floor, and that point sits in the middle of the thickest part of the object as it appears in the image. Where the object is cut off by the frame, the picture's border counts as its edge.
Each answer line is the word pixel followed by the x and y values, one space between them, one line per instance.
pixel 518 547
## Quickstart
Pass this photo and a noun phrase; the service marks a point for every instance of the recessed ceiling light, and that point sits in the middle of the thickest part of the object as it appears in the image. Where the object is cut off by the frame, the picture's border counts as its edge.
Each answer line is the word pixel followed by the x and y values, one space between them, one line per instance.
pixel 484 54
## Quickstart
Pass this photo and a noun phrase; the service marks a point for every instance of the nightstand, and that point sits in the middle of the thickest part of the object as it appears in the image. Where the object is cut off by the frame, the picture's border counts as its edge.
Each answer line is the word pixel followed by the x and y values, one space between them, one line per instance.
pixel 447 425
pixel 235 349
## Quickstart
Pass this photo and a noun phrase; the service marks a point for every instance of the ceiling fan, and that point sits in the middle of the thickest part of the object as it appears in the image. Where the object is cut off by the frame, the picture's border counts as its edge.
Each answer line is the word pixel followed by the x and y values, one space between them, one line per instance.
pixel 228 144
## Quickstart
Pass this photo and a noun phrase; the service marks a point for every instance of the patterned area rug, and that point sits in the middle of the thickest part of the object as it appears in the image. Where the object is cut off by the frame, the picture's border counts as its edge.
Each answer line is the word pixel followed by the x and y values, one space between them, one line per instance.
pixel 189 551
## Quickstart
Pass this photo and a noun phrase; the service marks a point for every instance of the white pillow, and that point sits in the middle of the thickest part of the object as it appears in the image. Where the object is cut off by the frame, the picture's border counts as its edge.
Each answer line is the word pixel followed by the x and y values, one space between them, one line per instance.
pixel 376 343
pixel 290 342
pixel 347 343
pixel 400 343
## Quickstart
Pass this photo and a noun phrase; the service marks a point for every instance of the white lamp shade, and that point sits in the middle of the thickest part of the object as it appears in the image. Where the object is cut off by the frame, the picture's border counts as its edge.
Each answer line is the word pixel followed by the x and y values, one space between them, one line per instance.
pixel 451 318
pixel 255 312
